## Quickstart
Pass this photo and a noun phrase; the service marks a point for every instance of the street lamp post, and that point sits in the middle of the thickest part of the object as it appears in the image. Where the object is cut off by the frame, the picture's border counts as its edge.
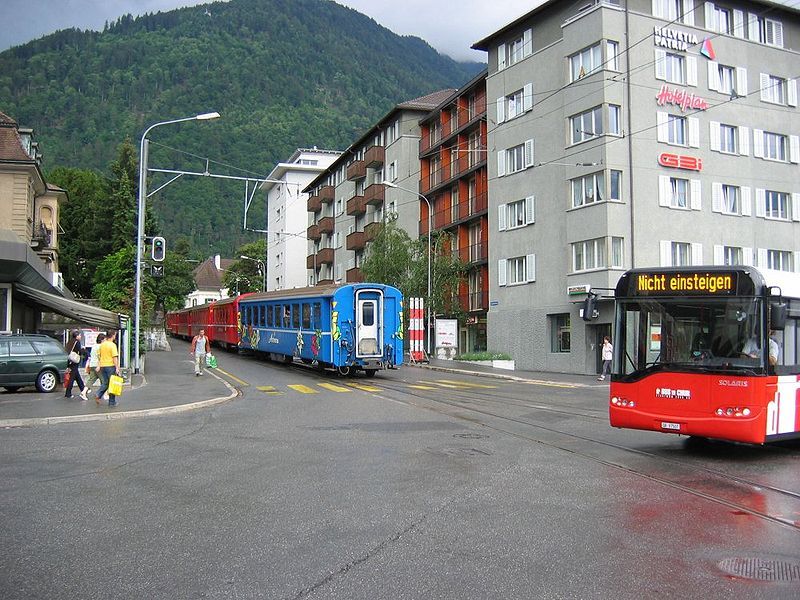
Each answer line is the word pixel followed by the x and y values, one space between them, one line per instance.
pixel 143 148
pixel 430 230
pixel 261 269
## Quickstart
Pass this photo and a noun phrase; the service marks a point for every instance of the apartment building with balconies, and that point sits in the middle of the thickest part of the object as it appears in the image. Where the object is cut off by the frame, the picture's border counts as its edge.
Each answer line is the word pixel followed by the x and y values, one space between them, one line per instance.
pixel 638 134
pixel 288 232
pixel 453 176
pixel 348 202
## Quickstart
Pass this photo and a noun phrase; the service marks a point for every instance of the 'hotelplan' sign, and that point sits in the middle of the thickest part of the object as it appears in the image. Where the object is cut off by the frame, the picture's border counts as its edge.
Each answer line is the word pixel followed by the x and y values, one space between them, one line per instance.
pixel 680 98
pixel 673 39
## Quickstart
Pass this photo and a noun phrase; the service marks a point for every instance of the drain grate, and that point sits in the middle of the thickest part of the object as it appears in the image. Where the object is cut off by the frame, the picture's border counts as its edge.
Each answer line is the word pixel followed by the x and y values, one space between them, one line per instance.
pixel 761 569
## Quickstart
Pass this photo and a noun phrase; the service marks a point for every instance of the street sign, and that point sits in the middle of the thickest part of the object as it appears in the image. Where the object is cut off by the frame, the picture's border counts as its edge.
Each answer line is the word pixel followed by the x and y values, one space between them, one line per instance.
pixel 157 270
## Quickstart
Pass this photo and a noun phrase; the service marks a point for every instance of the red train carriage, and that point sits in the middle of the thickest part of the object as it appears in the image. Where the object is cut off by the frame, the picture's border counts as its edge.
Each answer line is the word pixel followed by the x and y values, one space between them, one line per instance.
pixel 223 324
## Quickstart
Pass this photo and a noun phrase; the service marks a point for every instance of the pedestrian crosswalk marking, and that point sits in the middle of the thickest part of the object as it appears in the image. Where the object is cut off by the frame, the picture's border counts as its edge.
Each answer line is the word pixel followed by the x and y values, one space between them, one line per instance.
pixel 465 384
pixel 268 389
pixel 333 387
pixel 422 387
pixel 303 389
pixel 364 387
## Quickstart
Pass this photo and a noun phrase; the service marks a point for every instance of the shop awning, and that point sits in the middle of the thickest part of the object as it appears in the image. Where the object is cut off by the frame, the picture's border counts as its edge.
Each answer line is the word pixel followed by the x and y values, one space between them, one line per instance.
pixel 78 311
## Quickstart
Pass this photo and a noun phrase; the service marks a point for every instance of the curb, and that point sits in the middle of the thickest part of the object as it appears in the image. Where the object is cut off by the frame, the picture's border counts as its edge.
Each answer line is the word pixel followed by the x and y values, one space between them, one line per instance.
pixel 501 376
pixel 127 414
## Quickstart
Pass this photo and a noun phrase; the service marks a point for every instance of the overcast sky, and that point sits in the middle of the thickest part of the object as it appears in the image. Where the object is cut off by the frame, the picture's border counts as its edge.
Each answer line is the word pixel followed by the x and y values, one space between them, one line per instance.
pixel 450 26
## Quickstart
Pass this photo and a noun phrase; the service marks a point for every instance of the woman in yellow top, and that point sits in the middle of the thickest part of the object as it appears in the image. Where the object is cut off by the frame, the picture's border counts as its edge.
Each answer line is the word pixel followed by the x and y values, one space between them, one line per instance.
pixel 107 365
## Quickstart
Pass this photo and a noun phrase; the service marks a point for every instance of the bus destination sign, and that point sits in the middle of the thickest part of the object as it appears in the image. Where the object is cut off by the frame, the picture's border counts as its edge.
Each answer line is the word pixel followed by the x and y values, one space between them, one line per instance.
pixel 686 283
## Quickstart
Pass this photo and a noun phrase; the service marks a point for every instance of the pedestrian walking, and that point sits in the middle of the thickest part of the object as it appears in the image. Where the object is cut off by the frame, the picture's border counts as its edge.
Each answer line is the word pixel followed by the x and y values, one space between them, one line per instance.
pixel 107 365
pixel 91 366
pixel 200 347
pixel 74 363
pixel 607 352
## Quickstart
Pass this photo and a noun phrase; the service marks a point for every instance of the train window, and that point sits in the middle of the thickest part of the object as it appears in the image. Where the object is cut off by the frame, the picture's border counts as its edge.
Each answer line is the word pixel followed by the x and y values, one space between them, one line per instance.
pixel 270 320
pixel 368 314
pixel 306 316
pixel 262 316
pixel 287 316
pixel 295 316
pixel 317 317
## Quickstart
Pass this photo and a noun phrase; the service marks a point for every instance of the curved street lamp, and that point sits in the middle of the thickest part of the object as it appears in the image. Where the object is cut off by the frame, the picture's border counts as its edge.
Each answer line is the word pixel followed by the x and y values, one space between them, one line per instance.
pixel 261 269
pixel 140 226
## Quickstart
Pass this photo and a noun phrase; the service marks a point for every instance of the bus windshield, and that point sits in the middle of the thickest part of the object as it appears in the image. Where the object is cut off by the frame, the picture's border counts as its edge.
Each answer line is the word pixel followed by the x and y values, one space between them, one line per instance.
pixel 690 334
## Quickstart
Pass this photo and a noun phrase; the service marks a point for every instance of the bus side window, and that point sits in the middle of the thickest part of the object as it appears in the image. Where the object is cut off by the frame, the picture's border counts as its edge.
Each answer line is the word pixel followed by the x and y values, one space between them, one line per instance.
pixel 270 320
pixel 306 316
pixel 287 316
pixel 295 316
pixel 317 315
pixel 262 318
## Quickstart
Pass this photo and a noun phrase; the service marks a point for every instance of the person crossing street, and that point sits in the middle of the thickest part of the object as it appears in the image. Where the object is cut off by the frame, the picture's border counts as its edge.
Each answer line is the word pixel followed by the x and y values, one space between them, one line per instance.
pixel 200 348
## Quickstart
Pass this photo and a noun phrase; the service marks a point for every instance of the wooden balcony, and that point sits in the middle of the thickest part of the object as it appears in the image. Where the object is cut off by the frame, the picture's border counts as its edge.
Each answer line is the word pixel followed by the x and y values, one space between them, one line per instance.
pixel 375 194
pixel 355 241
pixel 325 256
pixel 314 204
pixel 325 225
pixel 354 275
pixel 313 233
pixel 356 206
pixel 374 157
pixel 371 231
pixel 325 282
pixel 326 194
pixel 311 261
pixel 356 170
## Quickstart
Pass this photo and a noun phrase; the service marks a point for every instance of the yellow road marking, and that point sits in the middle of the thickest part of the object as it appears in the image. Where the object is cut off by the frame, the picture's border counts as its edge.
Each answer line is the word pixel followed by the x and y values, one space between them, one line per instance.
pixel 236 379
pixel 465 384
pixel 422 387
pixel 268 389
pixel 364 387
pixel 333 387
pixel 550 383
pixel 303 389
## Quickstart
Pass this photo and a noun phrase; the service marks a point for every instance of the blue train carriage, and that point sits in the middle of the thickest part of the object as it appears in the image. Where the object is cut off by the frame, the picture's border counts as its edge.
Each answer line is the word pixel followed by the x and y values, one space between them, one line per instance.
pixel 348 327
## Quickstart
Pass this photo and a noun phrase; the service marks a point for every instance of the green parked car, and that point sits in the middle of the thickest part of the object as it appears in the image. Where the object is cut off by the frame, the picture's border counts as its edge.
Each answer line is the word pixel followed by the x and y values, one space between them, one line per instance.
pixel 31 359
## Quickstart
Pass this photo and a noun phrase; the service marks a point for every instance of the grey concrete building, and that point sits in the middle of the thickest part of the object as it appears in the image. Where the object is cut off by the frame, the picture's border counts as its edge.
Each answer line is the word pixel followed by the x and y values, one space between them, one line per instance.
pixel 348 201
pixel 633 134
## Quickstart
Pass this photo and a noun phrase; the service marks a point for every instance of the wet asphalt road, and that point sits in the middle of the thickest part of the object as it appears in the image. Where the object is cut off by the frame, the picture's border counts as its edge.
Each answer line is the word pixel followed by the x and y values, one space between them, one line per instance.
pixel 413 484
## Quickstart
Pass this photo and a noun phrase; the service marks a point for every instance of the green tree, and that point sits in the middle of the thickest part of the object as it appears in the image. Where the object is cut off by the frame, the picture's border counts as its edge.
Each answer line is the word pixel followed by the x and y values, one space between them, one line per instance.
pixel 169 292
pixel 115 282
pixel 245 275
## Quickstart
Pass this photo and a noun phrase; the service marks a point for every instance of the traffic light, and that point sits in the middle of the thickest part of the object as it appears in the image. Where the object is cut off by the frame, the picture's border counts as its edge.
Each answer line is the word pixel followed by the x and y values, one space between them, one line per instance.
pixel 589 307
pixel 159 248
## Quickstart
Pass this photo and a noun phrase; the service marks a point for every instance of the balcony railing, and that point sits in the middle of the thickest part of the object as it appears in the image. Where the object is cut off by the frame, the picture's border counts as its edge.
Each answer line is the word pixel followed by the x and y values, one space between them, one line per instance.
pixel 355 241
pixel 465 162
pixel 374 157
pixel 357 170
pixel 325 256
pixel 475 252
pixel 375 193
pixel 314 203
pixel 313 232
pixel 459 213
pixel 311 261
pixel 355 275
pixel 371 231
pixel 356 206
pixel 326 194
pixel 325 225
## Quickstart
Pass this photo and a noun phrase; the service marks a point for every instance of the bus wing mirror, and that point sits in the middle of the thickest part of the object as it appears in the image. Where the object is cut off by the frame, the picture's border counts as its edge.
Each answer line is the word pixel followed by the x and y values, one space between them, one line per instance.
pixel 777 315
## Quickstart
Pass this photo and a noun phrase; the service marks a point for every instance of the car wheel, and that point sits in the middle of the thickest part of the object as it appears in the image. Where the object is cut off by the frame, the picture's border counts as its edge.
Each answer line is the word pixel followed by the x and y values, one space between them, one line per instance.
pixel 46 381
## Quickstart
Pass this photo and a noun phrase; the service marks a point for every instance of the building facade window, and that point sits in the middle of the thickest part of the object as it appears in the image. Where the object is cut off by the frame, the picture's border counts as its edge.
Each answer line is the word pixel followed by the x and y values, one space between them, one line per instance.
pixel 615 191
pixel 775 146
pixel 773 89
pixel 776 205
pixel 666 9
pixel 517 270
pixel 588 125
pixel 671 68
pixel 588 189
pixel 515 159
pixel 677 254
pixel 559 332
pixel 588 255
pixel 732 255
pixel 779 260
pixel 585 62
pixel 516 214
pixel 617 252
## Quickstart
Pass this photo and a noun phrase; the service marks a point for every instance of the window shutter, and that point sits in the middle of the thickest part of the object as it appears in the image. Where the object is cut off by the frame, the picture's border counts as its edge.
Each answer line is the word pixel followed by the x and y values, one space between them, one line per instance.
pixel 530 267
pixel 738 23
pixel 665 248
pixel 691 70
pixel 796 261
pixel 697 254
pixel 747 256
pixel 744 141
pixel 662 131
pixel 530 216
pixel 661 64
pixel 501 57
pixel 501 272
pixel 694 132
pixel 716 196
pixel 774 32
pixel 655 7
pixel 741 81
pixel 763 258
pixel 527 43
pixel 719 255
pixel 501 217
pixel 696 200
pixel 761 202
pixel 527 97
pixel 791 92
pixel 758 143
pixel 528 153
pixel 794 148
pixel 713 75
pixel 664 192
pixel 714 135
pixel 752 27
pixel 766 88
pixel 501 110
pixel 795 207
pixel 501 163
pixel 710 24
pixel 688 12
pixel 747 201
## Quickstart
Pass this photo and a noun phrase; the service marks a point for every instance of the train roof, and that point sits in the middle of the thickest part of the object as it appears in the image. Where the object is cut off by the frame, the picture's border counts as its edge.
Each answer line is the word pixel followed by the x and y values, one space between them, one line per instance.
pixel 309 292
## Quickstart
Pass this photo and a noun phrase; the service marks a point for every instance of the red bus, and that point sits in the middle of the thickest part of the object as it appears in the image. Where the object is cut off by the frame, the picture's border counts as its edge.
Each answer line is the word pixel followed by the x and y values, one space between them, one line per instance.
pixel 709 352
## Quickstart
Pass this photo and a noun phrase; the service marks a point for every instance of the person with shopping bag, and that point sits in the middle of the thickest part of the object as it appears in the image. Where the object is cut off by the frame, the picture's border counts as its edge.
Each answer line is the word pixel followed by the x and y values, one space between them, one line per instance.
pixel 91 366
pixel 107 365
pixel 200 347
pixel 73 364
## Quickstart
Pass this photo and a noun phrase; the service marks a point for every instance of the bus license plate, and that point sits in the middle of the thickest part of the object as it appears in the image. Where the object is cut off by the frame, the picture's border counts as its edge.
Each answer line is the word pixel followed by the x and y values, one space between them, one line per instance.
pixel 673 426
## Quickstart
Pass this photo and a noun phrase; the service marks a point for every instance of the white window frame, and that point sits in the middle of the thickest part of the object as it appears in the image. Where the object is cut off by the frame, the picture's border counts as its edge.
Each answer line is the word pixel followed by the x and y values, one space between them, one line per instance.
pixel 589 255
pixel 598 188
pixel 522 268
pixel 508 214
pixel 504 157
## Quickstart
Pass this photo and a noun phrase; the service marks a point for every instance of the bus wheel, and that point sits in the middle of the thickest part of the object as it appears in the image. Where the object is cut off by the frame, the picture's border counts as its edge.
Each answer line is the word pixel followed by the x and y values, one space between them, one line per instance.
pixel 370 372
pixel 344 371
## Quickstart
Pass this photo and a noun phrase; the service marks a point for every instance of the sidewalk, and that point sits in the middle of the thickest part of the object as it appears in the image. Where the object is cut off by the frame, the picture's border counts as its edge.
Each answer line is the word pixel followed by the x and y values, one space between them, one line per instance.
pixel 168 385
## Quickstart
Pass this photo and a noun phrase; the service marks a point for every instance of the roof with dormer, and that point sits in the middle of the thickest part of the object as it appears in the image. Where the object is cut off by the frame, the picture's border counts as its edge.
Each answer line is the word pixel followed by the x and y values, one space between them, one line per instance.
pixel 11 148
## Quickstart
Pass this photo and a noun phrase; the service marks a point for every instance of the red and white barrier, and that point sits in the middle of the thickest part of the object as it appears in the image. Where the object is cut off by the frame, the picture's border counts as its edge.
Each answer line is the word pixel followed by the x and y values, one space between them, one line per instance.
pixel 416 328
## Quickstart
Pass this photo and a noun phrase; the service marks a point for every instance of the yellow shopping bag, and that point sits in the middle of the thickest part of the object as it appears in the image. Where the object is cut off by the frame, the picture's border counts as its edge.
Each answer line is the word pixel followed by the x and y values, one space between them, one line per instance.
pixel 115 385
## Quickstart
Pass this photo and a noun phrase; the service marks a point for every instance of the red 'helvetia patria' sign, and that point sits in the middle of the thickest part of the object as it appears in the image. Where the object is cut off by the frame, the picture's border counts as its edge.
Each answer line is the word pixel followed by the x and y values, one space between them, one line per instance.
pixel 680 98
pixel 677 161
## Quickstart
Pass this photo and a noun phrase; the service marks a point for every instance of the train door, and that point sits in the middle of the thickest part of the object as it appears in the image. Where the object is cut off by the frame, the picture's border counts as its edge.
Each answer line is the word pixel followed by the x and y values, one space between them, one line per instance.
pixel 369 328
